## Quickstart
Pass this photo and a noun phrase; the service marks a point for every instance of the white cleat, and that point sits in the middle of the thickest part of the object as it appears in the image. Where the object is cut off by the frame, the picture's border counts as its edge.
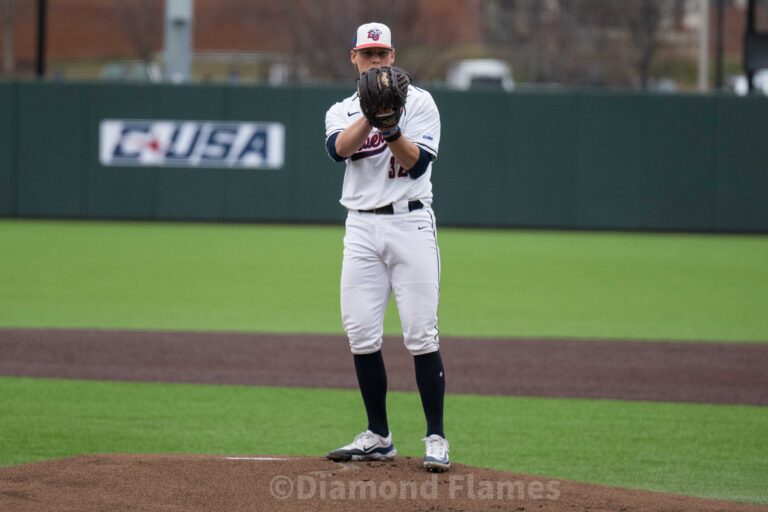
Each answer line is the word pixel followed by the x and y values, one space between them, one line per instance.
pixel 436 459
pixel 366 446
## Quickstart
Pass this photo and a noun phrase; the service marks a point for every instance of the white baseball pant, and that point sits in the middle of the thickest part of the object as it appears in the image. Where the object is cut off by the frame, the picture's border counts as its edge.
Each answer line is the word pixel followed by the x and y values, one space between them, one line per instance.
pixel 384 253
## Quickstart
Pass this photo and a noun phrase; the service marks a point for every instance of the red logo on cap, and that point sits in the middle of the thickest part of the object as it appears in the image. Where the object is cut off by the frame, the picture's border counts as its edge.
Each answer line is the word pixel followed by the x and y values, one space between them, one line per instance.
pixel 374 34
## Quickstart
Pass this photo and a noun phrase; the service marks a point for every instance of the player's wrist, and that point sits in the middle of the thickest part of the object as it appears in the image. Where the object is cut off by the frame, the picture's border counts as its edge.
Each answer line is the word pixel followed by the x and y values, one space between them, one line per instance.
pixel 391 134
pixel 366 124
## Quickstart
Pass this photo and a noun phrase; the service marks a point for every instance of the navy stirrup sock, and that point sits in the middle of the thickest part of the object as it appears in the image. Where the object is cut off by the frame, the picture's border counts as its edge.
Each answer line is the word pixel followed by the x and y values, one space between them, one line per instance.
pixel 430 377
pixel 372 378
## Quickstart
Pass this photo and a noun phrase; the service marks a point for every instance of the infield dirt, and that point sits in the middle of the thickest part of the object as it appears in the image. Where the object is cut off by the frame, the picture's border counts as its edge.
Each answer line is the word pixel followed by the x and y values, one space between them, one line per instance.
pixel 727 373
pixel 209 483
pixel 684 372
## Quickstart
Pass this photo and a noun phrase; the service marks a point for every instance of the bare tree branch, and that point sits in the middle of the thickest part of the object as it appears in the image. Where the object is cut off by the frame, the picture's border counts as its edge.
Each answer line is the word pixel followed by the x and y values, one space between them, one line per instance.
pixel 142 23
pixel 324 32
pixel 594 42
pixel 648 22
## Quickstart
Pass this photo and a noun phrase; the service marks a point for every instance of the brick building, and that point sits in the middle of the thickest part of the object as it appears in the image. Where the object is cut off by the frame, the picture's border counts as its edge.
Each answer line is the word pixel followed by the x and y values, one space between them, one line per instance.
pixel 133 29
pixel 270 30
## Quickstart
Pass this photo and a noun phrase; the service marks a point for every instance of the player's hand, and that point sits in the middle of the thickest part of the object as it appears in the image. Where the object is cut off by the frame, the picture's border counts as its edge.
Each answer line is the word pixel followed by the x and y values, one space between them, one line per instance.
pixel 387 119
pixel 383 92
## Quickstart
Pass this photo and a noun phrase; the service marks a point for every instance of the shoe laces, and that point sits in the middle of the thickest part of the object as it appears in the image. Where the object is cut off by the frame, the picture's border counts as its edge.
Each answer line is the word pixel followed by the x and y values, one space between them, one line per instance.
pixel 436 446
pixel 363 436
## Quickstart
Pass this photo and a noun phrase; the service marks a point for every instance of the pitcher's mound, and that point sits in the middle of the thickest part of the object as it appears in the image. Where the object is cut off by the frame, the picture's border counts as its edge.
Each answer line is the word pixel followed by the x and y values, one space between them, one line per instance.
pixel 187 483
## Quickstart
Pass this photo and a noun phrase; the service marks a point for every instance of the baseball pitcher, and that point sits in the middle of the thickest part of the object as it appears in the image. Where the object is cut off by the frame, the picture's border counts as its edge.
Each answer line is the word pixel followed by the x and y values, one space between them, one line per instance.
pixel 388 134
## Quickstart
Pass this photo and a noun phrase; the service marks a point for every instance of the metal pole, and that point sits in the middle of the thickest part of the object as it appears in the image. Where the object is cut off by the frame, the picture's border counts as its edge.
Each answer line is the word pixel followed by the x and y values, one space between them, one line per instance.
pixel 178 39
pixel 42 12
pixel 750 30
pixel 704 46
pixel 719 44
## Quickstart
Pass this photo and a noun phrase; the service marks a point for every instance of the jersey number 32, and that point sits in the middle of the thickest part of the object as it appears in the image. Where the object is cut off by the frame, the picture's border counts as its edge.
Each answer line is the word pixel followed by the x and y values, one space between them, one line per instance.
pixel 396 170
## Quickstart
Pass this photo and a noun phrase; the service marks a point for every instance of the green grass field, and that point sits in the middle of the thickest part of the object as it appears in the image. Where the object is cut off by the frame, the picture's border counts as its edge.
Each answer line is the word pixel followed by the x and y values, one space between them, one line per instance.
pixel 285 279
pixel 703 450
pixel 495 283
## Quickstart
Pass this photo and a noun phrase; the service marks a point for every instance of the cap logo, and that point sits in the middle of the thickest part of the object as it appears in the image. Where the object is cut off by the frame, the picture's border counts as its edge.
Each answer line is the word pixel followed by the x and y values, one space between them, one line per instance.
pixel 374 34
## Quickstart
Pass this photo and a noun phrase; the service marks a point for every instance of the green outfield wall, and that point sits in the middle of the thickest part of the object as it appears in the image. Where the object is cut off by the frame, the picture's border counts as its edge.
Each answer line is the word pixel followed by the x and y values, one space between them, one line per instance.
pixel 551 160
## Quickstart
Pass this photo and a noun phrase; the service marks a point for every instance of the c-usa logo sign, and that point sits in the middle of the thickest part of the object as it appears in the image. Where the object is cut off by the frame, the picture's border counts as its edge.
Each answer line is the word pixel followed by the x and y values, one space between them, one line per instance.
pixel 191 144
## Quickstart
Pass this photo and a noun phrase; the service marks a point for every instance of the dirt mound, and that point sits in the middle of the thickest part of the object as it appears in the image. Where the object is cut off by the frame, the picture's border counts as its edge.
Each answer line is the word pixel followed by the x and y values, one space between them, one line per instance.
pixel 273 483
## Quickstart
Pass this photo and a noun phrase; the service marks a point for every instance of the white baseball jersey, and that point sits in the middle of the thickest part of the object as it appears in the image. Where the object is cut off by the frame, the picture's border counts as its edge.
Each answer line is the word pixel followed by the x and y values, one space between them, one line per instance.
pixel 395 253
pixel 373 177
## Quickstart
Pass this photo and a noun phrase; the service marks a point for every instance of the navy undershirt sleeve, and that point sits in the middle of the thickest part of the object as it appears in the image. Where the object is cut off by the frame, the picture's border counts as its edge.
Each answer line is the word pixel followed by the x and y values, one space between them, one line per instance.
pixel 330 147
pixel 420 167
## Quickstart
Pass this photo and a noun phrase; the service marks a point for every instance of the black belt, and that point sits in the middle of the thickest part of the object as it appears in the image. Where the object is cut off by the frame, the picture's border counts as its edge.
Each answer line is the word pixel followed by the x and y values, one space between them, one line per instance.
pixel 390 210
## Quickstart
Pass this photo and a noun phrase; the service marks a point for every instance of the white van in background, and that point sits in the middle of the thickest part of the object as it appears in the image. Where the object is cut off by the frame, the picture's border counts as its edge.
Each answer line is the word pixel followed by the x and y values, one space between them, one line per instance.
pixel 480 74
pixel 739 85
